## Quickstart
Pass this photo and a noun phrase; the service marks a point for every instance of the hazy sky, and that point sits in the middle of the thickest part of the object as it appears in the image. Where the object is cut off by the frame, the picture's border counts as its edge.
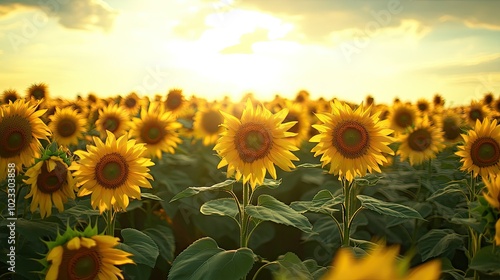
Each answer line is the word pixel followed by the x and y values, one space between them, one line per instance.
pixel 210 48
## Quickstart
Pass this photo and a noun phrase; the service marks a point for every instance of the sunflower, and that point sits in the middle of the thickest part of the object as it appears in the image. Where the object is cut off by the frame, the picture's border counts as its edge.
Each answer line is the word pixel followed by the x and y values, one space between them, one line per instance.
pixel 302 97
pixel 480 153
pixel 67 126
pixel 84 255
pixel 423 106
pixel 114 119
pixel 451 126
pixel 9 95
pixel 476 111
pixel 157 129
pixel 381 263
pixel 38 92
pixel 352 141
pixel 175 101
pixel 112 172
pixel 297 114
pixel 488 99
pixel 422 142
pixel 51 182
pixel 438 101
pixel 131 103
pixel 253 144
pixel 402 116
pixel 20 132
pixel 207 124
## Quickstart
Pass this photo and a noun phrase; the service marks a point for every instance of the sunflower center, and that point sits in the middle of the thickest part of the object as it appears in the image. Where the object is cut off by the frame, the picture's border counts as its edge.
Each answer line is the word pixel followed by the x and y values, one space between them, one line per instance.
pixel 292 118
pixel 152 133
pixel 253 141
pixel 111 171
pixel 476 114
pixel 351 139
pixel 130 102
pixel 422 106
pixel 38 94
pixel 404 119
pixel 211 121
pixel 173 101
pixel 66 127
pixel 419 140
pixel 15 135
pixel 450 129
pixel 485 152
pixel 49 182
pixel 82 264
pixel 111 124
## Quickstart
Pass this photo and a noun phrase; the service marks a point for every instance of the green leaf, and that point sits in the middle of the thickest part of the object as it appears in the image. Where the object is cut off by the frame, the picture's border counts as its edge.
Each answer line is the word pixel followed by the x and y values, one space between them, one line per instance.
pixel 151 196
pixel 309 165
pixel 487 260
pixel 270 209
pixel 388 208
pixel 438 242
pixel 221 207
pixel 163 236
pixel 270 183
pixel 205 260
pixel 323 202
pixel 446 191
pixel 142 247
pixel 367 181
pixel 226 185
pixel 291 267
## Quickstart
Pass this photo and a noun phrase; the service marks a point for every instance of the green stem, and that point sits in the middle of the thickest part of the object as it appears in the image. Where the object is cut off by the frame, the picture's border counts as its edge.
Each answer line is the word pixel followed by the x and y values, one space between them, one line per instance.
pixel 243 217
pixel 110 227
pixel 347 213
pixel 260 268
pixel 474 239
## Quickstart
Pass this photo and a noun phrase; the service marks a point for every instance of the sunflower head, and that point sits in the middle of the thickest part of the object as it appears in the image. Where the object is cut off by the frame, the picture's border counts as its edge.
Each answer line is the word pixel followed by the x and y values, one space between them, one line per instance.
pixel 112 172
pixel 297 114
pixel 369 100
pixel 488 98
pixel 476 112
pixel 492 195
pixel 353 142
pixel 114 119
pixel 84 255
pixel 21 129
pixel 207 124
pixel 423 106
pixel 302 96
pixel 175 101
pixel 402 116
pixel 480 153
pixel 131 103
pixel 438 100
pixel 67 126
pixel 422 142
pixel 255 143
pixel 50 181
pixel 9 95
pixel 38 92
pixel 451 125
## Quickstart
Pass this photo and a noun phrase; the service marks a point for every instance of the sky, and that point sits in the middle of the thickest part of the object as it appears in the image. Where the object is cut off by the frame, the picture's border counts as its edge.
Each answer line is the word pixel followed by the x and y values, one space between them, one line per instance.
pixel 214 48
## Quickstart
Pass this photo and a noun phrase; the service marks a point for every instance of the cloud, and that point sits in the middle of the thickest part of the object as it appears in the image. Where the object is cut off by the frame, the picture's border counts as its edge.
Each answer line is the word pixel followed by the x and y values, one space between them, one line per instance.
pixel 75 14
pixel 247 41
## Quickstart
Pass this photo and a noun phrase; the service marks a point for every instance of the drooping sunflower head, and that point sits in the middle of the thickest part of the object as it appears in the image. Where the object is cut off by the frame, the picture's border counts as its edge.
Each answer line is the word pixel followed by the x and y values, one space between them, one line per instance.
pixel 131 103
pixel 67 126
pixel 114 119
pixel 21 130
pixel 297 114
pixel 476 111
pixel 50 182
pixel 380 264
pixel 255 143
pixel 9 95
pixel 77 255
pixel 112 172
pixel 175 101
pixel 402 116
pixel 480 153
pixel 38 92
pixel 421 143
pixel 207 124
pixel 353 142
pixel 157 129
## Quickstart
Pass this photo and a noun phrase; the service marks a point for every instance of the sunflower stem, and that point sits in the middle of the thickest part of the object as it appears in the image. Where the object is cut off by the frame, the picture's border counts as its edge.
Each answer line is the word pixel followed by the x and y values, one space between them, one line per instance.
pixel 474 239
pixel 110 227
pixel 243 217
pixel 347 213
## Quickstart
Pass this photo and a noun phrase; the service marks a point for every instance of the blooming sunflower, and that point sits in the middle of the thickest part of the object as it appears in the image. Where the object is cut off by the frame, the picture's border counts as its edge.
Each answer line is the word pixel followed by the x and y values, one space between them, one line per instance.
pixel 402 116
pixel 84 255
pixel 207 124
pixel 480 153
pixel 297 114
pixel 352 141
pixel 20 131
pixel 493 193
pixel 422 142
pixel 38 92
pixel 438 101
pixel 423 106
pixel 157 129
pixel 131 103
pixel 382 264
pixel 175 101
pixel 451 125
pixel 67 126
pixel 9 95
pixel 114 119
pixel 112 172
pixel 255 143
pixel 476 111
pixel 51 182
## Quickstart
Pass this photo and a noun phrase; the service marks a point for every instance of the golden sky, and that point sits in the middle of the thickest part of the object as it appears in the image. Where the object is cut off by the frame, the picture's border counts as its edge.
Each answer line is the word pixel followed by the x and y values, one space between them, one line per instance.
pixel 212 48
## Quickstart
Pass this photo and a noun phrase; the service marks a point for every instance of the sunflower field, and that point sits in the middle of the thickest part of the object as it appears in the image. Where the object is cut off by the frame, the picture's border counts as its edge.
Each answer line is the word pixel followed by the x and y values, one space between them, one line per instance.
pixel 177 187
